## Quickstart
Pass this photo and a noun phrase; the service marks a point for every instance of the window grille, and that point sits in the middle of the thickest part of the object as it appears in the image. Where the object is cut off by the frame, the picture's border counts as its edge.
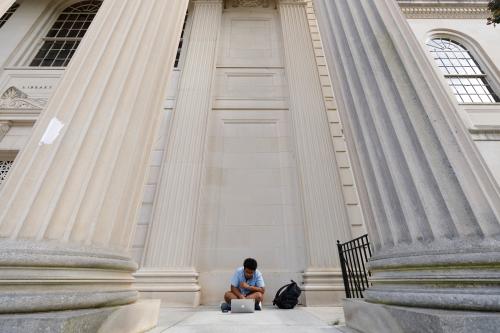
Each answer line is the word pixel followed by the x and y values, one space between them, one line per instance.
pixel 4 170
pixel 63 38
pixel 464 75
pixel 181 42
pixel 8 14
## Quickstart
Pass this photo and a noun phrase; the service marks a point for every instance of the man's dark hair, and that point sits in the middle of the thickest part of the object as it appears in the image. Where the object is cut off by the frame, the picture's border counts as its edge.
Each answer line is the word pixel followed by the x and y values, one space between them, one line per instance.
pixel 250 263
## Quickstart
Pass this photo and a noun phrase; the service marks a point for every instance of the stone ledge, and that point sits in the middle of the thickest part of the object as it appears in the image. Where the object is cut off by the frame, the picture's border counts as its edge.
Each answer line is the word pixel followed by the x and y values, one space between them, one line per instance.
pixel 132 318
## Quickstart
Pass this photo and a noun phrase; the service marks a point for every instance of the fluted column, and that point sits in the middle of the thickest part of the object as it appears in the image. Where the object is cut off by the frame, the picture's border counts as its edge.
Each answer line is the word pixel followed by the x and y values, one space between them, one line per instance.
pixel 5 5
pixel 323 205
pixel 4 128
pixel 168 265
pixel 68 207
pixel 435 226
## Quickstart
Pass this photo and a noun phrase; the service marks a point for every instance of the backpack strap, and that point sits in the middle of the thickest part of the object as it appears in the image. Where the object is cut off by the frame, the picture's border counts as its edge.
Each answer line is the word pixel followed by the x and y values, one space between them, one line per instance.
pixel 279 291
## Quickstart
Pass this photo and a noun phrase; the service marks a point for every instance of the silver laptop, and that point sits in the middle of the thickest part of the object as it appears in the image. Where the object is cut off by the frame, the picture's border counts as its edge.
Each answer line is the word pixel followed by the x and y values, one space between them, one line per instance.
pixel 242 306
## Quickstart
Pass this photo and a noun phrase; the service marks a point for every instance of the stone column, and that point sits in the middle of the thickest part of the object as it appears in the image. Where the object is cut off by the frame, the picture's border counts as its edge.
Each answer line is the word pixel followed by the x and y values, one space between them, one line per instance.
pixel 4 128
pixel 68 208
pixel 5 5
pixel 169 271
pixel 435 226
pixel 324 210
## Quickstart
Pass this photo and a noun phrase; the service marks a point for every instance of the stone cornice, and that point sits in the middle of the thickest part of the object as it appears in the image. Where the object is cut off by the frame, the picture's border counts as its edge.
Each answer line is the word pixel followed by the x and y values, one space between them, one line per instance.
pixel 292 1
pixel 250 3
pixel 444 9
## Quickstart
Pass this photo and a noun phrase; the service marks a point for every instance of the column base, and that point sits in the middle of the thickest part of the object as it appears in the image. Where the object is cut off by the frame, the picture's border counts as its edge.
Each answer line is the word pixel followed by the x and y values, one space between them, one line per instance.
pixel 173 288
pixel 46 277
pixel 323 288
pixel 378 318
pixel 133 318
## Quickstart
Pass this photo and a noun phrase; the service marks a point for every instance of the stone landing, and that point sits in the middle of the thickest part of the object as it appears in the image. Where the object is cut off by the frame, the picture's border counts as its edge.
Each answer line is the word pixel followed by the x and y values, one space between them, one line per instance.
pixel 269 320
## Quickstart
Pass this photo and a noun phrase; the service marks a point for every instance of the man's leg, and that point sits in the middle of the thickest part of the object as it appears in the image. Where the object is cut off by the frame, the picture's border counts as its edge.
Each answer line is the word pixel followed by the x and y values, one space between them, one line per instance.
pixel 258 297
pixel 228 296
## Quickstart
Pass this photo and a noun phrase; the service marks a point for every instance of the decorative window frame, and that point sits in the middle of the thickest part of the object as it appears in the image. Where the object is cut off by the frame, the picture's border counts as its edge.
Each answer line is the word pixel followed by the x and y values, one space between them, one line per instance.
pixel 33 41
pixel 478 53
pixel 7 155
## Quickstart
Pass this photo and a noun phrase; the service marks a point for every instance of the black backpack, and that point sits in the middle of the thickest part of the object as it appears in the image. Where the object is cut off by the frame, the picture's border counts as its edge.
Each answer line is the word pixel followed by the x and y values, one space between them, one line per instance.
pixel 287 296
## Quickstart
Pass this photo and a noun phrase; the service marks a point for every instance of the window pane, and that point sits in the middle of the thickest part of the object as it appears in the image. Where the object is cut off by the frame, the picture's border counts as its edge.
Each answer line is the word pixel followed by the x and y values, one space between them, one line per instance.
pixel 55 53
pixel 476 90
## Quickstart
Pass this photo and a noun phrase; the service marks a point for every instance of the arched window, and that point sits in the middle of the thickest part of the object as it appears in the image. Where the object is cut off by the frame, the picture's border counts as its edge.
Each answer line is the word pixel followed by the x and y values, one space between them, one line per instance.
pixel 5 17
pixel 463 73
pixel 63 38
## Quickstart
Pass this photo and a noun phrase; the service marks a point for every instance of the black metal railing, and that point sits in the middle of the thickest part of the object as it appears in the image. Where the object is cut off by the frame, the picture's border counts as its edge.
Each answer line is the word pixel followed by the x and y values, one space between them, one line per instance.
pixel 354 256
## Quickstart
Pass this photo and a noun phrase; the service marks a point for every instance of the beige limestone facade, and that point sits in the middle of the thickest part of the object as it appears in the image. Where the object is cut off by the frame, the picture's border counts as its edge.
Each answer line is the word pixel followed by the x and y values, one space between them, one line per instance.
pixel 134 166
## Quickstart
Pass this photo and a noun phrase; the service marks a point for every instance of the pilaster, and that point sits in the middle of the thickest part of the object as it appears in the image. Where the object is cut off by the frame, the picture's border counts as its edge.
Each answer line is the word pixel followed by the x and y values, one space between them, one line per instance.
pixel 68 207
pixel 323 204
pixel 435 208
pixel 169 271
pixel 4 128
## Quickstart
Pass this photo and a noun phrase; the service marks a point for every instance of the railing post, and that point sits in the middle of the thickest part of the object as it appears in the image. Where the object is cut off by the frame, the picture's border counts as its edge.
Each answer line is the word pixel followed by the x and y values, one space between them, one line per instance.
pixel 353 257
pixel 344 271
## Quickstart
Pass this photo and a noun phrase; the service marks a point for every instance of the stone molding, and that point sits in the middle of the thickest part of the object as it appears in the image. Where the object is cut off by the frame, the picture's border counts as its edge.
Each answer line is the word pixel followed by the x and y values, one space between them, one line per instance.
pixel 174 280
pixel 489 133
pixel 15 99
pixel 450 10
pixel 323 280
pixel 22 253
pixel 174 287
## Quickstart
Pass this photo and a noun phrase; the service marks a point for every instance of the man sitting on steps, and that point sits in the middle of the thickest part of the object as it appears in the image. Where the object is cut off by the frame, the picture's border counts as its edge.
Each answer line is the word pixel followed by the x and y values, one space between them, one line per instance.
pixel 247 282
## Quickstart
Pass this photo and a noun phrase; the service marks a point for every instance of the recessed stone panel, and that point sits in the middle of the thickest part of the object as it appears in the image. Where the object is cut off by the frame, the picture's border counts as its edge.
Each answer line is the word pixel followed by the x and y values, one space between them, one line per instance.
pixel 250 39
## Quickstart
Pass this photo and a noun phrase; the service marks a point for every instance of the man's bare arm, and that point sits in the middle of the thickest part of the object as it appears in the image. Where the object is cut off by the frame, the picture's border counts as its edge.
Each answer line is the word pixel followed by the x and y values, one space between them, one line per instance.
pixel 252 288
pixel 237 292
pixel 257 289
